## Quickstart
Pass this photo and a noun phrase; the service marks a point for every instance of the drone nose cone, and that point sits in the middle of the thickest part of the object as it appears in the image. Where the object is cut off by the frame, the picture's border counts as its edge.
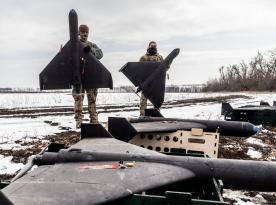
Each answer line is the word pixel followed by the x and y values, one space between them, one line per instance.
pixel 256 130
pixel 73 15
pixel 72 11
pixel 177 50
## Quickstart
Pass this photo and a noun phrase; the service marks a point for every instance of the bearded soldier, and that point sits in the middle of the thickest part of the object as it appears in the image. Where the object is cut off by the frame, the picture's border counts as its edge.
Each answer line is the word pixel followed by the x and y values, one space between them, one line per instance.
pixel 151 55
pixel 92 92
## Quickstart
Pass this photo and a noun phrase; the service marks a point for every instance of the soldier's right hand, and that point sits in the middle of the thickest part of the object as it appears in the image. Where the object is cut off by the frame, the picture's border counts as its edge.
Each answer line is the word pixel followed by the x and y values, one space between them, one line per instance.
pixel 86 49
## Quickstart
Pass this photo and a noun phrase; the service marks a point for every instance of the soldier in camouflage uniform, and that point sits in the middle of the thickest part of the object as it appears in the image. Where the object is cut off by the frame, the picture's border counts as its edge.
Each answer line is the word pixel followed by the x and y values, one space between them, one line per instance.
pixel 151 55
pixel 91 93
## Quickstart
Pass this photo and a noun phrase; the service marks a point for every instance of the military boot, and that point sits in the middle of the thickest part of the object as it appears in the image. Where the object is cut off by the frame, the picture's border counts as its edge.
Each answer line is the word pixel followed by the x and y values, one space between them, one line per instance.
pixel 78 124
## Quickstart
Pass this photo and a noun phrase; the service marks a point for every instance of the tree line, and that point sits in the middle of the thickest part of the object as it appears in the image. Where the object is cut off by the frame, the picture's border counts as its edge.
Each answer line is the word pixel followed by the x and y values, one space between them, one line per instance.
pixel 258 75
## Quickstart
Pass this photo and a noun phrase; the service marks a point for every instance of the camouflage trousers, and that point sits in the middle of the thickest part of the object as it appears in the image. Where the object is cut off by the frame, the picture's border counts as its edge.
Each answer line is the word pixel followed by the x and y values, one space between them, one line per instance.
pixel 143 105
pixel 91 98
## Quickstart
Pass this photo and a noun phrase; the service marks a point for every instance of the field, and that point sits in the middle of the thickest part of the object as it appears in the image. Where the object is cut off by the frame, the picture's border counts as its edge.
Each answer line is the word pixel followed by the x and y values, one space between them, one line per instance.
pixel 28 121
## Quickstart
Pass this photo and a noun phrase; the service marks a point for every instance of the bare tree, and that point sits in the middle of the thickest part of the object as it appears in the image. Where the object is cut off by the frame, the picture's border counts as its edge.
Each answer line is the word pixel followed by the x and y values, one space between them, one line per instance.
pixel 259 74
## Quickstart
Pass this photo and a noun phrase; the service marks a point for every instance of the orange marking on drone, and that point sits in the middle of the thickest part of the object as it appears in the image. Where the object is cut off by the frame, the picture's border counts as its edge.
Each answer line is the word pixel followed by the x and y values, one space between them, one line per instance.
pixel 100 166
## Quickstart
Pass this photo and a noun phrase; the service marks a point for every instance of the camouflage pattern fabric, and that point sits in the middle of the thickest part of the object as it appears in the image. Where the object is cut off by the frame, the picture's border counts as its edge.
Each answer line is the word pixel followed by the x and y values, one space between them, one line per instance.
pixel 96 51
pixel 143 105
pixel 148 57
pixel 143 99
pixel 78 97
pixel 91 97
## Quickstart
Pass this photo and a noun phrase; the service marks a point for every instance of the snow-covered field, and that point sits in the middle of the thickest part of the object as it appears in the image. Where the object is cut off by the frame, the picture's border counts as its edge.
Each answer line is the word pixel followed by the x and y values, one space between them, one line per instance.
pixel 14 128
pixel 23 100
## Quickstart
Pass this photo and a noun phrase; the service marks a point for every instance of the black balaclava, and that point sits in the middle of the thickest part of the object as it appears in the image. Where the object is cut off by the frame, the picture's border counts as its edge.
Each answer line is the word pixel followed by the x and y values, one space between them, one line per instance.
pixel 152 50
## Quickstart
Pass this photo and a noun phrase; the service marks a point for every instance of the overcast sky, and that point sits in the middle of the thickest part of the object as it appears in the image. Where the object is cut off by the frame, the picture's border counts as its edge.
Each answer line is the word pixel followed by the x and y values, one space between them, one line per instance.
pixel 210 33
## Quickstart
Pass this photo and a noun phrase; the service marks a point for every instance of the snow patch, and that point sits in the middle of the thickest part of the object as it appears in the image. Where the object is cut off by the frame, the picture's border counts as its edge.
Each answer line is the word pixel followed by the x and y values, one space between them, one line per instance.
pixel 229 146
pixel 255 141
pixel 253 153
pixel 12 146
pixel 8 167
pixel 241 198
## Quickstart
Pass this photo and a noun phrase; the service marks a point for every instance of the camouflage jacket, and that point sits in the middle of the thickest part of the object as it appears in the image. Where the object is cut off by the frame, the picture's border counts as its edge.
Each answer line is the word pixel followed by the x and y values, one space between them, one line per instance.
pixel 96 51
pixel 148 57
